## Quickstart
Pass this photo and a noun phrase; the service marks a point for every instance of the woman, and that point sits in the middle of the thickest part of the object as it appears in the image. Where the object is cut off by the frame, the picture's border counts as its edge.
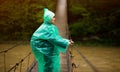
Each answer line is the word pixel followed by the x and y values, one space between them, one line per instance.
pixel 46 44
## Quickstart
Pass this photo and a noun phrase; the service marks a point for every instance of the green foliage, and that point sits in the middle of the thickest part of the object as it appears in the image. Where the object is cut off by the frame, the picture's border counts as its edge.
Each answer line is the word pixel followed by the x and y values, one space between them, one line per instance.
pixel 94 24
pixel 87 21
pixel 78 9
pixel 19 19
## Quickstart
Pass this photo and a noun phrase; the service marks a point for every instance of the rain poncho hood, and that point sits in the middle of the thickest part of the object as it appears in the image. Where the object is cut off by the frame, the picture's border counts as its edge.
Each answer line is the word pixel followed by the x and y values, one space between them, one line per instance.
pixel 46 44
pixel 48 15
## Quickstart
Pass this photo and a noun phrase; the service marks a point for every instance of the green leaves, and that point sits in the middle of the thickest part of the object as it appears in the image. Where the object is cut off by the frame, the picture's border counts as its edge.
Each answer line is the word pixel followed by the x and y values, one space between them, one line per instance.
pixel 20 18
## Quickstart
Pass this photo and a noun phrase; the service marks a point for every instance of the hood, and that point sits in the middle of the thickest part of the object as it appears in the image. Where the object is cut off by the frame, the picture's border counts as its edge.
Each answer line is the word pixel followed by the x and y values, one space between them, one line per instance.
pixel 48 15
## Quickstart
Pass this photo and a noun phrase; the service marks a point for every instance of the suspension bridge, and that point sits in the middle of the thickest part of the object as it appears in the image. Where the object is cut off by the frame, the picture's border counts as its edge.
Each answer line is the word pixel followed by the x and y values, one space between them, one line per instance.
pixel 17 57
pixel 67 60
pixel 67 65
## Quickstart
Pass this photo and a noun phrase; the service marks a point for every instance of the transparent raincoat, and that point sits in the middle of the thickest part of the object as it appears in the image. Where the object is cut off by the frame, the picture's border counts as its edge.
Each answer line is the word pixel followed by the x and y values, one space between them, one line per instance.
pixel 46 44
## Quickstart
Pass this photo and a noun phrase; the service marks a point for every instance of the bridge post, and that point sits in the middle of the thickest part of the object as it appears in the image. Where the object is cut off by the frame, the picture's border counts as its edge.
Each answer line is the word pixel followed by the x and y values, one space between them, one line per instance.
pixel 62 24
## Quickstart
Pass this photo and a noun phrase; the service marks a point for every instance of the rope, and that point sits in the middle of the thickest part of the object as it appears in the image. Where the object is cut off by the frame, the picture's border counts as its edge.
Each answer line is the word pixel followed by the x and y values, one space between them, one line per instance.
pixel 86 60
pixel 21 67
pixel 28 61
pixel 20 62
pixel 5 62
pixel 4 51
pixel 32 66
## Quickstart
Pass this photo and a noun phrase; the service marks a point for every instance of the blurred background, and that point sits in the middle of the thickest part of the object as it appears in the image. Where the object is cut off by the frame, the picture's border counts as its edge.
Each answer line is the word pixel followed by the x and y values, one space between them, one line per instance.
pixel 93 24
pixel 89 20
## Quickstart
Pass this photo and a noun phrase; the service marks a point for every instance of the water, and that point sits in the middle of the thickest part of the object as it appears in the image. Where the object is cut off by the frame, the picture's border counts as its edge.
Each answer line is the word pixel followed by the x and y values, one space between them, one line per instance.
pixel 104 59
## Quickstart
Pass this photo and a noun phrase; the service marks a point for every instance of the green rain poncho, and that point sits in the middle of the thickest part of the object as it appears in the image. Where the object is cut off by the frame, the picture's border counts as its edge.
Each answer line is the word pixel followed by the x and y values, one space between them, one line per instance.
pixel 46 44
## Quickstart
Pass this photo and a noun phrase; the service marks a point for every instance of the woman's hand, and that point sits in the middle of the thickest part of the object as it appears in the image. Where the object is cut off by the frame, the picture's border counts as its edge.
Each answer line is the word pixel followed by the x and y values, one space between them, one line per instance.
pixel 71 42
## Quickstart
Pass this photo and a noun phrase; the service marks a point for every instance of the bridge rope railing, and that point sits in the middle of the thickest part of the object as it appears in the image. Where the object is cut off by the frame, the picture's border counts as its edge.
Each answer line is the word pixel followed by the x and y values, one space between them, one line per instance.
pixel 5 51
pixel 74 66
pixel 20 63
pixel 13 68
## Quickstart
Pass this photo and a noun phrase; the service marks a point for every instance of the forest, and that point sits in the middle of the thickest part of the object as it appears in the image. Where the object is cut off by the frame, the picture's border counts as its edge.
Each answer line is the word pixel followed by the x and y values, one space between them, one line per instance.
pixel 95 21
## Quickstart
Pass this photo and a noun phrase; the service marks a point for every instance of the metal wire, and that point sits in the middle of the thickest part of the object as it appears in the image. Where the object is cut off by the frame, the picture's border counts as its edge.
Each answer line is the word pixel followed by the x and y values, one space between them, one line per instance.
pixel 10 48
pixel 4 61
pixel 21 65
pixel 85 59
pixel 28 61
pixel 5 51
pixel 17 64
